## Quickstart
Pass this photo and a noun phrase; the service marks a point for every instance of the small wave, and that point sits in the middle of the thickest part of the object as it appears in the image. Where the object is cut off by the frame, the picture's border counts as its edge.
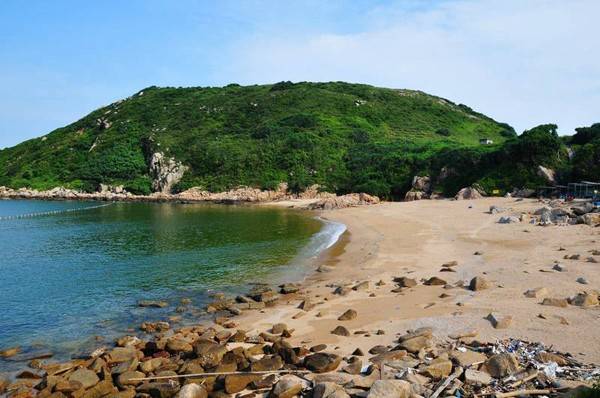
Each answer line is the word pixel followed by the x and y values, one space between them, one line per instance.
pixel 324 239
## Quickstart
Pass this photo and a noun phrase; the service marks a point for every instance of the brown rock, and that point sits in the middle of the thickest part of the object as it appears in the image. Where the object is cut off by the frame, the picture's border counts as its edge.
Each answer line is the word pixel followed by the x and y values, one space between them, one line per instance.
pixel 209 354
pixel 467 358
pixel 192 390
pixel 125 379
pixel 499 321
pixel 238 382
pixel 341 331
pixel 405 282
pixel 267 363
pixel 86 377
pixel 416 344
pixel 10 352
pixel 288 386
pixel 318 347
pixel 501 365
pixel 555 302
pixel 479 283
pixel 585 300
pixel 306 305
pixel 438 368
pixel 102 389
pixel 278 328
pixel 361 286
pixel 434 281
pixel 322 362
pixel 348 315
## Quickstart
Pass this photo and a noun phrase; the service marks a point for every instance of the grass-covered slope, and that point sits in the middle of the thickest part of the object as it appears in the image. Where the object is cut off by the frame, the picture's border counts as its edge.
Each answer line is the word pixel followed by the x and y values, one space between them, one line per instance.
pixel 346 137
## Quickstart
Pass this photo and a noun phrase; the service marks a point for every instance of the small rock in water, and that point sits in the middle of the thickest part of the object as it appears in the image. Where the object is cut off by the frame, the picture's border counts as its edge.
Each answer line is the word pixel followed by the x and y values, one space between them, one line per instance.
pixel 10 352
pixel 152 303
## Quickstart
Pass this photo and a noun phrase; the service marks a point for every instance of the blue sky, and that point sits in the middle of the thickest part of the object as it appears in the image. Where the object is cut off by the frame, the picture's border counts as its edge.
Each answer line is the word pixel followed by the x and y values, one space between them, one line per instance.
pixel 524 62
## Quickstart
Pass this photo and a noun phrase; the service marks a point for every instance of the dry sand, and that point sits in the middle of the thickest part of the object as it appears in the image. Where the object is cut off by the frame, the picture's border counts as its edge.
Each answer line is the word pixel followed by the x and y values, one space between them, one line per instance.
pixel 414 239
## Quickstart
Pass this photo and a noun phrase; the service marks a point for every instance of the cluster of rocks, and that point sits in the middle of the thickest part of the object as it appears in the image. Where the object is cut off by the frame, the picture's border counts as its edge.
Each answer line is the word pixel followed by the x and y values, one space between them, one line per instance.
pixel 200 362
pixel 555 212
pixel 344 201
pixel 469 193
pixel 324 200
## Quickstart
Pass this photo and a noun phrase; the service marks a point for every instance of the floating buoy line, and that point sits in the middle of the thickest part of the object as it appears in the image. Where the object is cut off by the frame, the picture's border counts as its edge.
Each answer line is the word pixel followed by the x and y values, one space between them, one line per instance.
pixel 53 212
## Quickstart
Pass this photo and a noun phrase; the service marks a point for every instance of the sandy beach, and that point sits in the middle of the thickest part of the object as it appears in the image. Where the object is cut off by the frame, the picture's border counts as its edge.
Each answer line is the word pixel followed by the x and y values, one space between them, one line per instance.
pixel 414 239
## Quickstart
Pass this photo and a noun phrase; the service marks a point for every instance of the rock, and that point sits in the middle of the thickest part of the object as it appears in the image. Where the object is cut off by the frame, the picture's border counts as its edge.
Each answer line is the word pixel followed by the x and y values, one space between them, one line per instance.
pixel 102 389
pixel 435 281
pixel 358 352
pixel 278 328
pixel 288 288
pixel 591 219
pixel 415 195
pixel 125 379
pixel 479 283
pixel 387 357
pixel 178 345
pixel 287 387
pixel 389 389
pixel 322 362
pixel 348 315
pixel 496 209
pixel 324 268
pixel 468 194
pixel 318 347
pixel 467 358
pixel 152 303
pixel 539 292
pixel 341 202
pixel 10 352
pixel 405 282
pixel 239 382
pixel 361 286
pixel 547 174
pixel 424 331
pixel 85 377
pixel 559 268
pixel 585 300
pixel 438 368
pixel 192 390
pixel 151 365
pixel 417 344
pixel 267 364
pixel 158 389
pixel 476 377
pixel 341 331
pixel 306 305
pixel 508 220
pixel 499 321
pixel 209 354
pixel 501 365
pixel 354 366
pixel 165 172
pixel 378 349
pixel 555 302
pixel 582 280
pixel 329 390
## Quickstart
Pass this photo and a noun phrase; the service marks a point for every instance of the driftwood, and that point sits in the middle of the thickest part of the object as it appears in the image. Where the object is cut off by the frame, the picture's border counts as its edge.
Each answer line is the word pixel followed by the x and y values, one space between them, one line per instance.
pixel 446 383
pixel 265 372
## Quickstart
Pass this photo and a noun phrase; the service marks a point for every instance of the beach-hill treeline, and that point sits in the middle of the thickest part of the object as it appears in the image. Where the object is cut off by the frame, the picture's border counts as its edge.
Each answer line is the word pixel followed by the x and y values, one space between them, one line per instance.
pixel 344 137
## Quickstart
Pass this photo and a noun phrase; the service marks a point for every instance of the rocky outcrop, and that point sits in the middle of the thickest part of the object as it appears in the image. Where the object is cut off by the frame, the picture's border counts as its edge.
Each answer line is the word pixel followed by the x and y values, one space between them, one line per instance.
pixel 323 200
pixel 341 202
pixel 421 189
pixel 547 174
pixel 165 172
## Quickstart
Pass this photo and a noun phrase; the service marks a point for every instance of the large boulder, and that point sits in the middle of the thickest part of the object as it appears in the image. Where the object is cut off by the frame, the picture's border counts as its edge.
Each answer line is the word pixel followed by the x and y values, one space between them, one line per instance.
pixel 390 388
pixel 469 193
pixel 322 362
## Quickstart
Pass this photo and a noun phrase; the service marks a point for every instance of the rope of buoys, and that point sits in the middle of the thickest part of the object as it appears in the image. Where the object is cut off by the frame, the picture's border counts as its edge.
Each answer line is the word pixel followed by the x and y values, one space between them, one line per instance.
pixel 52 212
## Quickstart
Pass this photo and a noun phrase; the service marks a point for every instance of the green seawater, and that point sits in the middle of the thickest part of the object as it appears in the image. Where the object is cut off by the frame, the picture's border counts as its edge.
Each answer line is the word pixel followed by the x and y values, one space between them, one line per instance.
pixel 70 271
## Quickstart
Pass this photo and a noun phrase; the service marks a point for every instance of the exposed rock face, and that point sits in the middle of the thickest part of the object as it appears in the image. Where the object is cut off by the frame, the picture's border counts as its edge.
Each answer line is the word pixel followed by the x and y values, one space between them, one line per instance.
pixel 165 172
pixel 547 174
pixel 421 188
pixel 340 202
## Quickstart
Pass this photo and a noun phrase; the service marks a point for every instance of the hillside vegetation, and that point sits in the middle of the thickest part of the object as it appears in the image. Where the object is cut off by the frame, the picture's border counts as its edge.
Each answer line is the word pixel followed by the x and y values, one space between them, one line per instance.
pixel 344 137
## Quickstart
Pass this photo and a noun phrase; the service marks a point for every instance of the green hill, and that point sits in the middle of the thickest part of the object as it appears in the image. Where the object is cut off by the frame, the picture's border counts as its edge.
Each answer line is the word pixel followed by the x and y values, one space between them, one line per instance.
pixel 259 136
pixel 345 137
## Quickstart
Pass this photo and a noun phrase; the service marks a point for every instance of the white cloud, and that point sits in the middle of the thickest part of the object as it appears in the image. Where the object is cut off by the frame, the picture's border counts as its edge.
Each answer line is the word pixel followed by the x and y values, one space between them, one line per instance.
pixel 523 62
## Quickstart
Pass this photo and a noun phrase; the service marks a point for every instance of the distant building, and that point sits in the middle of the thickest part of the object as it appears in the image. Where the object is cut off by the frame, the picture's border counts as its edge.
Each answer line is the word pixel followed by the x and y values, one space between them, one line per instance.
pixel 485 141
